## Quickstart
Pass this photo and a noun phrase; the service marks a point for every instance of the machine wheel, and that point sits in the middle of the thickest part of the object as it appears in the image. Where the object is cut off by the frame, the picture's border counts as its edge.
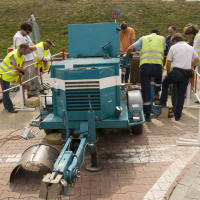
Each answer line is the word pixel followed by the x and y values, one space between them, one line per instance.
pixel 137 129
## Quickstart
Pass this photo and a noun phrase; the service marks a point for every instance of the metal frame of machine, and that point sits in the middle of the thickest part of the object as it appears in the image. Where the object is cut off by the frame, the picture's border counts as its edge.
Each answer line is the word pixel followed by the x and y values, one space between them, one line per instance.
pixel 87 94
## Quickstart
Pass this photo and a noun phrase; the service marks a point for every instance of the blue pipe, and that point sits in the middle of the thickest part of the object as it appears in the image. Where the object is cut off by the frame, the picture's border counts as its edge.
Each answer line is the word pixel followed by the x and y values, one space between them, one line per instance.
pixel 34 124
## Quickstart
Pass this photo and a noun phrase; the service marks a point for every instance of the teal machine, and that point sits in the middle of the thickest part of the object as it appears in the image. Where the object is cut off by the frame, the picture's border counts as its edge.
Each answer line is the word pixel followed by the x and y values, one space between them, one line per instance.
pixel 87 95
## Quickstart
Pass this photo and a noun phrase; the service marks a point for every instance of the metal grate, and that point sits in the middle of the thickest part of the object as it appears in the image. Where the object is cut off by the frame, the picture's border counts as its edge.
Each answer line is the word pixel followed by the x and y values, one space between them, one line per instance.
pixel 82 85
pixel 77 95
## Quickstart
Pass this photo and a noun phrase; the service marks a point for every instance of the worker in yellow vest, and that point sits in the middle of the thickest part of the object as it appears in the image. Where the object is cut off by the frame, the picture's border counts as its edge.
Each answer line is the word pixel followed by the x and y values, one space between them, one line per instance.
pixel 13 61
pixel 151 49
pixel 43 54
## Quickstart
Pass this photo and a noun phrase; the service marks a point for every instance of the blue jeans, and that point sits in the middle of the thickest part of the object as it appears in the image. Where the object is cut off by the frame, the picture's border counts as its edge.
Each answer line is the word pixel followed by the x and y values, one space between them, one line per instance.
pixel 8 105
pixel 146 72
pixel 175 76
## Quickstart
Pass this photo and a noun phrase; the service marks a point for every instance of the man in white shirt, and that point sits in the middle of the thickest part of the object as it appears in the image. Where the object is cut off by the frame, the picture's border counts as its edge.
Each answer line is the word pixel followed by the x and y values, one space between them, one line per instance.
pixel 22 37
pixel 183 58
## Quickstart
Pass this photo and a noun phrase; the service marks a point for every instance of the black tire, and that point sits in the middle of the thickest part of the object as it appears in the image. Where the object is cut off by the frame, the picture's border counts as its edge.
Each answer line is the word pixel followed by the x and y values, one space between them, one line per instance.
pixel 137 130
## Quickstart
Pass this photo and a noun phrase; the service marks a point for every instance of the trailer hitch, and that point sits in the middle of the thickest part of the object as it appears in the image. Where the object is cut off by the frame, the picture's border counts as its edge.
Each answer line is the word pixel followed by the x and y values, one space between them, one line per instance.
pixel 51 188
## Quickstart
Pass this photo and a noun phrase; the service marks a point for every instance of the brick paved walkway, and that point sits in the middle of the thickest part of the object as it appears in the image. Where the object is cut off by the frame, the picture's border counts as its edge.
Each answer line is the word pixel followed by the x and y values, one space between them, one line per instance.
pixel 136 167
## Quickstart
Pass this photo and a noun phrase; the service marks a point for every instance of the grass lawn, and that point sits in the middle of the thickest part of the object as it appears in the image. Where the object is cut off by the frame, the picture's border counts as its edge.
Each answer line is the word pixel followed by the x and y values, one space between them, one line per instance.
pixel 54 16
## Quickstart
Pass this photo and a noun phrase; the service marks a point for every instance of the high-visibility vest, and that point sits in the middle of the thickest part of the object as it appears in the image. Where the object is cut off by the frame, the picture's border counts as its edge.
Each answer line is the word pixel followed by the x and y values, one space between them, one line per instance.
pixel 152 51
pixel 198 35
pixel 45 53
pixel 7 67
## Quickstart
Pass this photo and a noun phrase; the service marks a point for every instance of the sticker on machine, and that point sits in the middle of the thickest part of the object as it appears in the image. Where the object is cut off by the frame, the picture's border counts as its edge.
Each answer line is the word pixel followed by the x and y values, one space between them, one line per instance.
pixel 135 105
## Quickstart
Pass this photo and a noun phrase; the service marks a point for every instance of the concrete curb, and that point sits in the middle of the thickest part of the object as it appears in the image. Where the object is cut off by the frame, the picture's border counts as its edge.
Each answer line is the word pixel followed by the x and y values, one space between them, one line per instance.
pixel 183 182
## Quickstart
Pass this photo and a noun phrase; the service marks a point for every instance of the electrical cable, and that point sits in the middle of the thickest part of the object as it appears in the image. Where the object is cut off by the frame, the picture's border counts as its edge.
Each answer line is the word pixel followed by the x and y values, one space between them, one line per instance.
pixel 7 138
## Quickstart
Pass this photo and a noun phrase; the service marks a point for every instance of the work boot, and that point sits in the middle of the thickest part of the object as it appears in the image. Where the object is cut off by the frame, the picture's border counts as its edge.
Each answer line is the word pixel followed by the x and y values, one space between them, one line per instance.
pixel 171 110
pixel 13 111
pixel 158 103
pixel 30 94
pixel 42 92
pixel 148 118
pixel 170 115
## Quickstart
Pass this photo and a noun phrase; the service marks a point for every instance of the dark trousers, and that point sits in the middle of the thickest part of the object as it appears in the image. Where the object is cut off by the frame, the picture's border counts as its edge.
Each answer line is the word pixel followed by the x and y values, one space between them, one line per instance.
pixel 175 76
pixel 146 72
pixel 8 105
pixel 127 74
pixel 173 95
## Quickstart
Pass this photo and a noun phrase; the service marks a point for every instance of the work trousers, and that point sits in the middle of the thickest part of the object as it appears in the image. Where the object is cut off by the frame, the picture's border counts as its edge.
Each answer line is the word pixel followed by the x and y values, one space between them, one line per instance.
pixel 35 84
pixel 29 72
pixel 127 74
pixel 146 72
pixel 173 95
pixel 175 76
pixel 128 69
pixel 8 105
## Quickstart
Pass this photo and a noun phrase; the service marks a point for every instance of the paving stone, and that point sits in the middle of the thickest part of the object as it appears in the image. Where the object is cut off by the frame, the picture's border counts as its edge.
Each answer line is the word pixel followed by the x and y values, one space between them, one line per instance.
pixel 9 194
pixel 179 193
pixel 19 199
pixel 117 171
pixel 4 181
pixel 85 191
pixel 127 196
pixel 100 183
pixel 149 196
pixel 190 176
pixel 28 194
pixel 8 187
pixel 85 197
pixel 101 197
pixel 12 160
pixel 125 189
pixel 119 182
pixel 164 186
pixel 197 179
pixel 114 177
pixel 86 184
pixel 110 189
pixel 194 195
pixel 197 162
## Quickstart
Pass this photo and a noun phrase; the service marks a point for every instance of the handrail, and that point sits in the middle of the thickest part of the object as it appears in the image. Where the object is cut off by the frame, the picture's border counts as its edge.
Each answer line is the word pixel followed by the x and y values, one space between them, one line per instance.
pixel 20 83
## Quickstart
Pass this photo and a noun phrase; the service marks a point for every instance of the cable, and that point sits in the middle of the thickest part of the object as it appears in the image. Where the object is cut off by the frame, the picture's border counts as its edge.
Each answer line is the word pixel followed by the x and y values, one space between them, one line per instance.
pixel 79 162
pixel 6 139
